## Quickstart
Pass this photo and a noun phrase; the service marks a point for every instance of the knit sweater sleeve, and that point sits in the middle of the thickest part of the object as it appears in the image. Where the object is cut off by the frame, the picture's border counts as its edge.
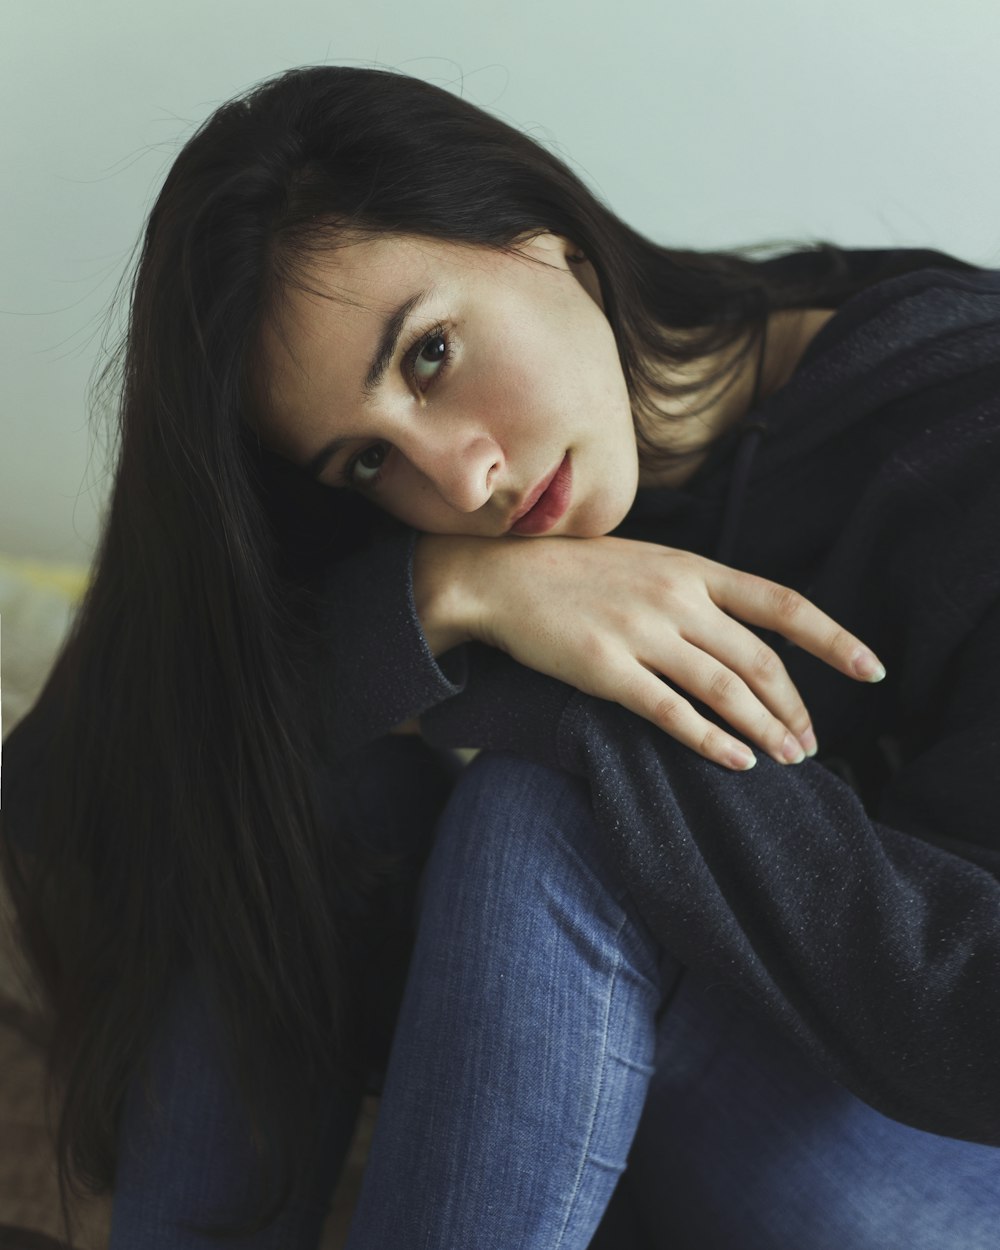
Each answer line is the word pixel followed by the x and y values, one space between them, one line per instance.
pixel 870 939
pixel 378 670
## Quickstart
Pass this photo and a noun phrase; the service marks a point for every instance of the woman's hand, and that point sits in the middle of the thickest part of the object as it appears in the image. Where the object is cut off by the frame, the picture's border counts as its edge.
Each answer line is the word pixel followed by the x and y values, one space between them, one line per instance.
pixel 611 615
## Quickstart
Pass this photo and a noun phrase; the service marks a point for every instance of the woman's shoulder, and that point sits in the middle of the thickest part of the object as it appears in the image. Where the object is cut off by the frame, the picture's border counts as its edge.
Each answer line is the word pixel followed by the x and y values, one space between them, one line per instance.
pixel 910 362
pixel 915 297
pixel 829 276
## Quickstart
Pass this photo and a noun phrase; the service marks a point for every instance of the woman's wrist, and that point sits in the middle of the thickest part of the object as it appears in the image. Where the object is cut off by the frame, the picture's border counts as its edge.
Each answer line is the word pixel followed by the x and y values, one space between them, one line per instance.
pixel 443 590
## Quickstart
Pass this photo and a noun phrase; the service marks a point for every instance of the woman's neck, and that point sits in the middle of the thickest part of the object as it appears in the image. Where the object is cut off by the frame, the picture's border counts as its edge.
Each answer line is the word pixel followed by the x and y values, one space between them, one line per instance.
pixel 789 333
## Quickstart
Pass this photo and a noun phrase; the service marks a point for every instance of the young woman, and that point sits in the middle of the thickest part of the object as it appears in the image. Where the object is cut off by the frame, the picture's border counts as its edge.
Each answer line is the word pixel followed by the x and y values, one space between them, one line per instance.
pixel 388 362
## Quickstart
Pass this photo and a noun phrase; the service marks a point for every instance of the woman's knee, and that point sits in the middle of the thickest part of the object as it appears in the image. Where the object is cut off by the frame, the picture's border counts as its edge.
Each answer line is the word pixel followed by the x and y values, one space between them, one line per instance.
pixel 518 842
pixel 525 780
pixel 508 816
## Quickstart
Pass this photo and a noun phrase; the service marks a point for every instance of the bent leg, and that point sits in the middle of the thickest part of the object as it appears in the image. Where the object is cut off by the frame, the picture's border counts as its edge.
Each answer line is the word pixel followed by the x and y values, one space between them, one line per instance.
pixel 192 1161
pixel 743 1143
pixel 525 1038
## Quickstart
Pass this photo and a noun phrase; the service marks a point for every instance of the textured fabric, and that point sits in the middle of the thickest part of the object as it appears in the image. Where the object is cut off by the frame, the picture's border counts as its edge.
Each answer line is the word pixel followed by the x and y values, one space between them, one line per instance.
pixel 524 1046
pixel 548 1052
pixel 851 901
pixel 185 1159
pixel 742 1143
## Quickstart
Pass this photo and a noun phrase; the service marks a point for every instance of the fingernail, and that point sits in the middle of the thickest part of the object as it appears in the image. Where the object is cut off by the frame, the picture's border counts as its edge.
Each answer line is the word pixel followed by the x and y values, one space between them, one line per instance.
pixel 741 758
pixel 809 743
pixel 867 665
pixel 791 750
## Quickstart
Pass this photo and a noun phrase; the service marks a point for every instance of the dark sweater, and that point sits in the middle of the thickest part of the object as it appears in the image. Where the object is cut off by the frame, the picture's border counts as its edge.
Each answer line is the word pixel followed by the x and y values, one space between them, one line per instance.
pixel 852 900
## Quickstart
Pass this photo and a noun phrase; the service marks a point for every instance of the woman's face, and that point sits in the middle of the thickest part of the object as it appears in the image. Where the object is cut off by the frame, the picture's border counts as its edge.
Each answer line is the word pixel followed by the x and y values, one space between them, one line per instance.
pixel 505 368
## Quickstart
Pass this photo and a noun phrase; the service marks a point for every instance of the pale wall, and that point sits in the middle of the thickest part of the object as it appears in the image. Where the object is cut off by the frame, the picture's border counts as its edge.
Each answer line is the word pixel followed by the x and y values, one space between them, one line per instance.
pixel 711 123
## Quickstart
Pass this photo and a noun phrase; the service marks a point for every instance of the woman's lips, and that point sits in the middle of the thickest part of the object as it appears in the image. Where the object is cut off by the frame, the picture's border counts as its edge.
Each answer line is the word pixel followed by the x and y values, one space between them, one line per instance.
pixel 550 505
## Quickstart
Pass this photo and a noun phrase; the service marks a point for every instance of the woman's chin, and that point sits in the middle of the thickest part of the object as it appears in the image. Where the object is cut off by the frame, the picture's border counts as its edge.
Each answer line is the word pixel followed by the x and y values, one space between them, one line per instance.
pixel 596 521
pixel 580 527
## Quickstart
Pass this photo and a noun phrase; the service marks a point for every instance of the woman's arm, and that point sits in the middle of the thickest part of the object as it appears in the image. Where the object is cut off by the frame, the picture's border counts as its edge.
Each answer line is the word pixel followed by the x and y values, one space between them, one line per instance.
pixel 872 939
pixel 871 936
pixel 613 617
pixel 608 616
pixel 378 671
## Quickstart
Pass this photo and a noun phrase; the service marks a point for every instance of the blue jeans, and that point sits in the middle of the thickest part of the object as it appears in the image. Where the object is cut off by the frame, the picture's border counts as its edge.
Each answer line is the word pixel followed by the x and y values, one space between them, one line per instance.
pixel 557 1080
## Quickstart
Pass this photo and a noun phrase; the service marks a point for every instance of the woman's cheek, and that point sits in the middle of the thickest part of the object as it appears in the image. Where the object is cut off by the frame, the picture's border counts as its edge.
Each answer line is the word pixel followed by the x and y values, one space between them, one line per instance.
pixel 416 503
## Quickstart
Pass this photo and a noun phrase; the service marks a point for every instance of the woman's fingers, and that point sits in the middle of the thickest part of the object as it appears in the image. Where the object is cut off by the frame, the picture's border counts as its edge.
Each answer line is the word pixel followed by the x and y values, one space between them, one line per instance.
pixel 620 619
pixel 781 709
pixel 648 696
pixel 786 612
pixel 718 684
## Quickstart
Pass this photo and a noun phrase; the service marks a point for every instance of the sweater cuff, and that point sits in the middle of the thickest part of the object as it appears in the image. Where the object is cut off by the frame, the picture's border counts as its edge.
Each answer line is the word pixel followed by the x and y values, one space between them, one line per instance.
pixel 381 671
pixel 504 706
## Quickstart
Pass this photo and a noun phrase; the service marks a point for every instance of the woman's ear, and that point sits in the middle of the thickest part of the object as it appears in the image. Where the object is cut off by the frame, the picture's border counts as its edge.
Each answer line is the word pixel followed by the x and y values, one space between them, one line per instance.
pixel 585 273
pixel 545 246
pixel 562 253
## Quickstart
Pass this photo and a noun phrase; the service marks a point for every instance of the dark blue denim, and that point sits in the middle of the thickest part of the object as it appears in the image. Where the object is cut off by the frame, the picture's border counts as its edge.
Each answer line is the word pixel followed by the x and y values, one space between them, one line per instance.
pixel 556 1081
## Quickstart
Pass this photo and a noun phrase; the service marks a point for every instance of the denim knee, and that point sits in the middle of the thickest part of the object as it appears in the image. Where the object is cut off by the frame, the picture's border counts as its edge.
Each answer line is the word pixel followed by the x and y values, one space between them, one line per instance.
pixel 518 825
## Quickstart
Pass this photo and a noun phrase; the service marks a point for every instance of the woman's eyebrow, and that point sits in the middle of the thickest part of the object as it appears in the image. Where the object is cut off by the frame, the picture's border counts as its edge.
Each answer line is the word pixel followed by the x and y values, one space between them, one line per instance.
pixel 322 458
pixel 388 342
pixel 386 349
pixel 380 361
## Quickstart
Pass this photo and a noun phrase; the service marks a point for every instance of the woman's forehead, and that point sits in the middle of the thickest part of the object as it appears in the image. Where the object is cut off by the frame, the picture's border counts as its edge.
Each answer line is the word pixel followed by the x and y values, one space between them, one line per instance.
pixel 341 298
pixel 366 264
pixel 315 346
pixel 325 328
pixel 350 289
pixel 344 295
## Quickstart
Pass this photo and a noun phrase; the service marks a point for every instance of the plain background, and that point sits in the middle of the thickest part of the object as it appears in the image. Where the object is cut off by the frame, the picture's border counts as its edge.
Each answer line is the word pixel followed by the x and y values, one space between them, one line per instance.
pixel 711 123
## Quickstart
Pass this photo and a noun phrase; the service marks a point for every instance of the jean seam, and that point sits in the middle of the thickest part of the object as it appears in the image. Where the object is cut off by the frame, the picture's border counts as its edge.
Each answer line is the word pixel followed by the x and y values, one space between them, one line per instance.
pixel 597 1100
pixel 623 900
pixel 646 1069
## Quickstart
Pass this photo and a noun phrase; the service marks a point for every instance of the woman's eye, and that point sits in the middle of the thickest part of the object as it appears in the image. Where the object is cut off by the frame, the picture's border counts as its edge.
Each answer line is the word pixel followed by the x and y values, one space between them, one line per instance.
pixel 425 362
pixel 370 460
pixel 430 358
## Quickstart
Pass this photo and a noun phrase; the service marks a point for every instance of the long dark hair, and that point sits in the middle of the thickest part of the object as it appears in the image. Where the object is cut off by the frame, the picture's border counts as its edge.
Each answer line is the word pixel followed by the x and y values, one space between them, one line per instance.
pixel 175 798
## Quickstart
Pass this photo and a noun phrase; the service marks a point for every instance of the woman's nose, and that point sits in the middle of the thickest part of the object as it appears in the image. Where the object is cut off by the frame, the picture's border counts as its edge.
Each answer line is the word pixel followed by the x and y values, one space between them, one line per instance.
pixel 462 466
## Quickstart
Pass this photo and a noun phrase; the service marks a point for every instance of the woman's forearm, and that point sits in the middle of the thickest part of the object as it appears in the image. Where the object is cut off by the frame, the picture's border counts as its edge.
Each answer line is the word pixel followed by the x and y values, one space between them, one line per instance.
pixel 613 617
pixel 443 593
